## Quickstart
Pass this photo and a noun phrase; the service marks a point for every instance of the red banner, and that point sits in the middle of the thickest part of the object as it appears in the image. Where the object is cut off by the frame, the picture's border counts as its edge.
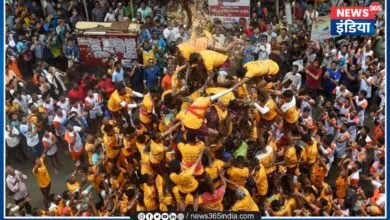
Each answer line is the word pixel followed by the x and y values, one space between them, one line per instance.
pixel 230 11
pixel 238 11
pixel 97 49
pixel 353 12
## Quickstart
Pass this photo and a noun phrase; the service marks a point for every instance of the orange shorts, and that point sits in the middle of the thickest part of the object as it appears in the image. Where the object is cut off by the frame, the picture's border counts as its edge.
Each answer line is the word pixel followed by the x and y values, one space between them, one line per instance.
pixel 77 155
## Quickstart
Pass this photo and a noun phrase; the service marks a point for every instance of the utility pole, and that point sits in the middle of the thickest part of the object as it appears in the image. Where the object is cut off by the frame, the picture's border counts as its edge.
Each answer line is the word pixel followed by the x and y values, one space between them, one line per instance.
pixel 288 13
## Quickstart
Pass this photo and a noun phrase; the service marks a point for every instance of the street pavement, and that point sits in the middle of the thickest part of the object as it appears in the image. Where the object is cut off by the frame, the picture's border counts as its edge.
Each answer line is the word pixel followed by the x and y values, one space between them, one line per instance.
pixel 58 183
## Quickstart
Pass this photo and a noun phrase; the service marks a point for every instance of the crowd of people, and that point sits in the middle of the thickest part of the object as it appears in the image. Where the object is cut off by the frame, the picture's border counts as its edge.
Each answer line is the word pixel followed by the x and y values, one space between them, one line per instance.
pixel 253 117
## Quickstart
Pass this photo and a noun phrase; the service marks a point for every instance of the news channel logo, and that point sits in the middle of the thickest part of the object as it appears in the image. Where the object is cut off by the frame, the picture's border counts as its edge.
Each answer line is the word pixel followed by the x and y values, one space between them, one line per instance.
pixel 354 20
pixel 159 216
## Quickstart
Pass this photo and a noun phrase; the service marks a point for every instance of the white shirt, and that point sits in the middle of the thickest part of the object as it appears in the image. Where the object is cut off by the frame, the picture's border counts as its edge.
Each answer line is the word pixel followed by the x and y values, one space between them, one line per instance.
pixel 64 105
pixel 264 51
pixel 359 103
pixel 296 79
pixel 381 95
pixel 270 36
pixel 78 145
pixel 305 104
pixel 121 13
pixel 309 17
pixel 342 96
pixel 50 110
pixel 286 106
pixel 12 137
pixel 32 140
pixel 50 141
pixel 11 41
pixel 382 200
pixel 367 86
pixel 78 110
pixel 367 139
pixel 17 185
pixel 169 35
pixel 363 58
pixel 376 184
pixel 50 78
pixel 61 121
pixel 23 103
pixel 94 102
pixel 37 103
pixel 184 37
pixel 355 176
pixel 109 17
pixel 221 38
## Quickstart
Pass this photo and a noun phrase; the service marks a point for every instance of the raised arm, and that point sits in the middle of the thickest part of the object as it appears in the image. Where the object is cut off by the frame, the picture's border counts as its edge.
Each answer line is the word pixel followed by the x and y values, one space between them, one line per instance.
pixel 223 180
pixel 220 94
pixel 137 94
pixel 235 185
pixel 128 106
pixel 133 201
pixel 262 110
pixel 311 74
pixel 311 205
pixel 171 129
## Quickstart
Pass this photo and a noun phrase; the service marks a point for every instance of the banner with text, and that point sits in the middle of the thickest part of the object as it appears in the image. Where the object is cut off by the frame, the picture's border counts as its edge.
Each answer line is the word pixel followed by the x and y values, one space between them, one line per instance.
pixel 229 11
pixel 320 29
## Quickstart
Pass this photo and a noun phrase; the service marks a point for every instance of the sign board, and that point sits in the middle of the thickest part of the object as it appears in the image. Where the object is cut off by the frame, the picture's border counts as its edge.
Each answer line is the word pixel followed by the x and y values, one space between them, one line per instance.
pixel 320 29
pixel 97 49
pixel 229 11
pixel 100 41
pixel 354 20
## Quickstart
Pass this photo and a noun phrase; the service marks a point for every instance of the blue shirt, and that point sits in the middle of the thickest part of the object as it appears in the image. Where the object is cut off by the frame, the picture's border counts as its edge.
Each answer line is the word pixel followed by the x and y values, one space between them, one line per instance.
pixel 335 75
pixel 248 54
pixel 144 35
pixel 255 39
pixel 226 156
pixel 342 61
pixel 150 75
pixel 162 44
pixel 15 124
pixel 21 46
pixel 38 50
pixel 72 51
pixel 352 85
pixel 118 76
pixel 61 30
pixel 137 81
